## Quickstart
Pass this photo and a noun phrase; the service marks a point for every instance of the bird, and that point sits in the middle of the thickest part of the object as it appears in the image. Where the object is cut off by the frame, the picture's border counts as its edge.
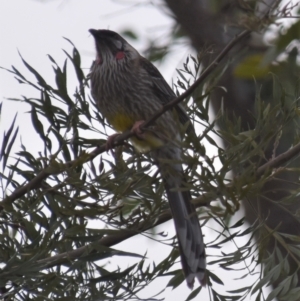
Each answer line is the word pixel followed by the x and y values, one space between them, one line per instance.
pixel 128 89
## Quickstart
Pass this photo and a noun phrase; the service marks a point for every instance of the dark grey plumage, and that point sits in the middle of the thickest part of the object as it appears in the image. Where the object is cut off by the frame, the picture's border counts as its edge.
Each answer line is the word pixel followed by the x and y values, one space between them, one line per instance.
pixel 128 88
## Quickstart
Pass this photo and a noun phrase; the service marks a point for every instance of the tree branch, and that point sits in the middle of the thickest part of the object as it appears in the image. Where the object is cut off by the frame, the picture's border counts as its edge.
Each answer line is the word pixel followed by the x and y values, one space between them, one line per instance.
pixel 279 160
pixel 107 241
pixel 53 170
pixel 123 234
pixel 201 78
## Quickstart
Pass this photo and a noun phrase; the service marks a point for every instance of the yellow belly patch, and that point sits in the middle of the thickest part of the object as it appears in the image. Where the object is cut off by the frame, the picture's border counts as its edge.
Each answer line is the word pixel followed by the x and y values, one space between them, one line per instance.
pixel 121 123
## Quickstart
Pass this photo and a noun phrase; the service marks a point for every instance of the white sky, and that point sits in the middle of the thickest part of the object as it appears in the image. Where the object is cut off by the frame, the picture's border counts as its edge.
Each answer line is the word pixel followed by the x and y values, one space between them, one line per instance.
pixel 35 29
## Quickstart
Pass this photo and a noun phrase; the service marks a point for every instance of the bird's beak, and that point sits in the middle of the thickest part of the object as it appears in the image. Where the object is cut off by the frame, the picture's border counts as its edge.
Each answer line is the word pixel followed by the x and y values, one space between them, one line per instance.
pixel 93 32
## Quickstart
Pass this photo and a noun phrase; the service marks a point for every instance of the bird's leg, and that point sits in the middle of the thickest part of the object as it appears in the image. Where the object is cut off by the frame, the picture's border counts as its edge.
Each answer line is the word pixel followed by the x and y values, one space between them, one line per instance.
pixel 136 129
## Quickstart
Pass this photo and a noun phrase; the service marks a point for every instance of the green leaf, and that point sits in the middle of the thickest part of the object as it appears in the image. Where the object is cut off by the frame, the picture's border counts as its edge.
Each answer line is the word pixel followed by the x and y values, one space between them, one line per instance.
pixel 238 224
pixel 130 34
pixel 76 61
pixel 176 280
pixel 39 78
pixel 7 143
pixel 275 292
pixel 194 293
pixel 38 126
pixel 266 279
pixel 215 278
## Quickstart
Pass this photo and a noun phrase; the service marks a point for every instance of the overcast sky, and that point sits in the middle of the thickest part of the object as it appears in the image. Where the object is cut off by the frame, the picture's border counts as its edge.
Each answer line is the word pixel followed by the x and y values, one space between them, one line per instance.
pixel 37 28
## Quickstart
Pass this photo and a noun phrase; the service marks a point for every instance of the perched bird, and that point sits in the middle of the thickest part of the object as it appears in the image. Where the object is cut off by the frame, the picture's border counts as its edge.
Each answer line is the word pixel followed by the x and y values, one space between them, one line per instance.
pixel 129 89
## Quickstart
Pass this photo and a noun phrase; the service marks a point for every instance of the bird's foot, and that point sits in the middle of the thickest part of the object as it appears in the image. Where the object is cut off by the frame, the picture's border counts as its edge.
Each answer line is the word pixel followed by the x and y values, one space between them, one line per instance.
pixel 136 129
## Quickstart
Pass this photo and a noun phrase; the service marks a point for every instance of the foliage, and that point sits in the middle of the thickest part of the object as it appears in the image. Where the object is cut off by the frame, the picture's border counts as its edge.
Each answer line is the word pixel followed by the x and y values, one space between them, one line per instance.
pixel 51 250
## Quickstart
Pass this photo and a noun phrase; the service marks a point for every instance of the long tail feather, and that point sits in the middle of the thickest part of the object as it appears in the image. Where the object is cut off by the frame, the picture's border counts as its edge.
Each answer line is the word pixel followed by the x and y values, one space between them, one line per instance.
pixel 188 230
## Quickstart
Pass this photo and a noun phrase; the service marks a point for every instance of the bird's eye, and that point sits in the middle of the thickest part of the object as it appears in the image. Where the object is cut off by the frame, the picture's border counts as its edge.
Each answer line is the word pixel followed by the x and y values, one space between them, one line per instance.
pixel 118 44
pixel 120 55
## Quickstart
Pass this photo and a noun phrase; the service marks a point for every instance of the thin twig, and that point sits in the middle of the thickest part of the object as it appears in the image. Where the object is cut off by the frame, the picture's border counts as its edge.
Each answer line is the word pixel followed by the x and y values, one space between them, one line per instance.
pixel 86 250
pixel 279 160
pixel 121 235
pixel 201 78
pixel 44 174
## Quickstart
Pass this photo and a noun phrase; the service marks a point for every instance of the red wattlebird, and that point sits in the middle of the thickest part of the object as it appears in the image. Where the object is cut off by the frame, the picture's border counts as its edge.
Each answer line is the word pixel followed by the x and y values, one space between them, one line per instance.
pixel 129 89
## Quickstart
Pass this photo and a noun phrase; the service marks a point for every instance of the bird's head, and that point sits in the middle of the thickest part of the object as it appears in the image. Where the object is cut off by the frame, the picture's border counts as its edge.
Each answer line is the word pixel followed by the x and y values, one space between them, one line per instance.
pixel 111 47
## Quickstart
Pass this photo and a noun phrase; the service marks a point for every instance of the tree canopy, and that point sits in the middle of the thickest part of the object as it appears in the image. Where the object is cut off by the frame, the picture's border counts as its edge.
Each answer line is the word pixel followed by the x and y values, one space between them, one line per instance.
pixel 50 247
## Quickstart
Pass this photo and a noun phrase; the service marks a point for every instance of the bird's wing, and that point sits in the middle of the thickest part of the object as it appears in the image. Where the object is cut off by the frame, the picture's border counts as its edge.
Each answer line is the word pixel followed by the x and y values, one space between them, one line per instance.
pixel 164 91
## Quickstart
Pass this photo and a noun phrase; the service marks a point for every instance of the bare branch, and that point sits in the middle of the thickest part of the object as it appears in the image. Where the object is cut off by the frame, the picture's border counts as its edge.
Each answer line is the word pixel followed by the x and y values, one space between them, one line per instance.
pixel 279 160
